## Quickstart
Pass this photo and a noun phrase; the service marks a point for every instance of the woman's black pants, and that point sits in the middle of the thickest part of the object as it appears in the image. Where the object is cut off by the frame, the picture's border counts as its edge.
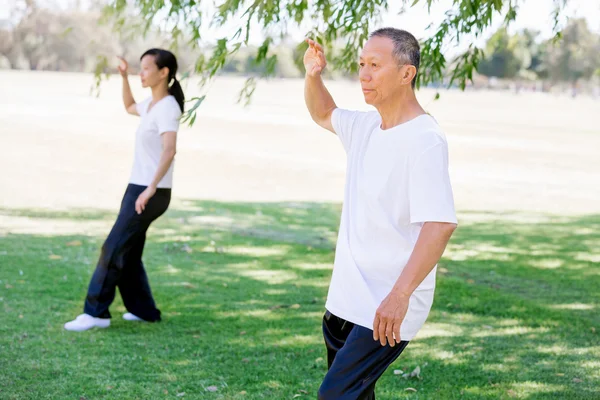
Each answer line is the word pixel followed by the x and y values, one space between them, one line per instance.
pixel 120 264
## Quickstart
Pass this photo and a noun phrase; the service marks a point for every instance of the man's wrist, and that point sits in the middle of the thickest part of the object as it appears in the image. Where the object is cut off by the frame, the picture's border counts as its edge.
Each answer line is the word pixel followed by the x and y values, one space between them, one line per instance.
pixel 401 292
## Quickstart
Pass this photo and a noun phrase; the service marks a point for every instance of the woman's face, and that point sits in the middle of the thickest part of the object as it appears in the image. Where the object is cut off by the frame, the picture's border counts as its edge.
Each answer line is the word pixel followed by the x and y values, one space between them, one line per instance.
pixel 150 75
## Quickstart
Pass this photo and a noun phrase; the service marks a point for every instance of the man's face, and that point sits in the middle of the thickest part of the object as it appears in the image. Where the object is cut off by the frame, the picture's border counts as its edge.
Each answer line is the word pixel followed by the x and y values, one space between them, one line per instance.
pixel 380 75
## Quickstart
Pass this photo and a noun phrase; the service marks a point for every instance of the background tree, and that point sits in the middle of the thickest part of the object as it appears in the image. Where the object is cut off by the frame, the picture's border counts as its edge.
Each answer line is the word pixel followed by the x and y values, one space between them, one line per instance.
pixel 576 56
pixel 504 58
pixel 572 58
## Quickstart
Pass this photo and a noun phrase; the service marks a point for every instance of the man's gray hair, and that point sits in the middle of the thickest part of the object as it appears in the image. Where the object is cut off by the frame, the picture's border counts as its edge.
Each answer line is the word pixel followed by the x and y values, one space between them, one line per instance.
pixel 406 47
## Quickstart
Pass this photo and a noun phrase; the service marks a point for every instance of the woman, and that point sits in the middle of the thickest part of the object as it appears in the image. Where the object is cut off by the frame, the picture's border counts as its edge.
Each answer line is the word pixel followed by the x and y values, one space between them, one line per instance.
pixel 146 198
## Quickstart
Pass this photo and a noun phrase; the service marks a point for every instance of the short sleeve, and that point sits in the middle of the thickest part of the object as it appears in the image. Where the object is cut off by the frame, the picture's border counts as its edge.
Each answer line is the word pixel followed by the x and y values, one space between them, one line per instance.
pixel 430 192
pixel 344 124
pixel 168 119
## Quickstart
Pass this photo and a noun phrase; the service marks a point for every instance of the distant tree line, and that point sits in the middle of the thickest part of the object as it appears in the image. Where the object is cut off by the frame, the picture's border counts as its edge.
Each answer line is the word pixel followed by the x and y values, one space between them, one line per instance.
pixel 73 40
pixel 573 59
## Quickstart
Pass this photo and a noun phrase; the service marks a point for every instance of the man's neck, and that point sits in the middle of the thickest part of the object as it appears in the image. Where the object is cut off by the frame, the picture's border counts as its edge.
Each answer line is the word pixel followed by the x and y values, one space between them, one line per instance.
pixel 404 108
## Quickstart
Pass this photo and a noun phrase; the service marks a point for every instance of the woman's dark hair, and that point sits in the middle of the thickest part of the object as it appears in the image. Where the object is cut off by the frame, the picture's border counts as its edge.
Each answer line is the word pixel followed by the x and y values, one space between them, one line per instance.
pixel 166 59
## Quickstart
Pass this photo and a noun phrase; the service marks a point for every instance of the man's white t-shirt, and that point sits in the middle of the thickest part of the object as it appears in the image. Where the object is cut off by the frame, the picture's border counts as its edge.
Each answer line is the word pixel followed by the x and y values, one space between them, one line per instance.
pixel 162 117
pixel 396 179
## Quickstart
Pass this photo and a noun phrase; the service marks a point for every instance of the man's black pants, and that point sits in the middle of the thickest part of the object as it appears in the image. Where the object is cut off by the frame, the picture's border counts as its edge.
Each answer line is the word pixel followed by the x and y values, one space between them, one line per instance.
pixel 355 361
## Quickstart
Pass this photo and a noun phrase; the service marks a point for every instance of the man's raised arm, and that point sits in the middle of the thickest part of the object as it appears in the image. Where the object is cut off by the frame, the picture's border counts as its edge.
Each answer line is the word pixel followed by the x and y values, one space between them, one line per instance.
pixel 319 102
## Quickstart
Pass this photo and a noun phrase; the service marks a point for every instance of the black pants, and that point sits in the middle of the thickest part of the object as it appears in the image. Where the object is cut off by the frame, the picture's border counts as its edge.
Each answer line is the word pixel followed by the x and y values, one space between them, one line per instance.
pixel 120 264
pixel 355 361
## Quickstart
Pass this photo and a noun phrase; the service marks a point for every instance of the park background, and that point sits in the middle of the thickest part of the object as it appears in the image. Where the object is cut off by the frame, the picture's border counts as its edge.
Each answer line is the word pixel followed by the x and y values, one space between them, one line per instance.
pixel 240 263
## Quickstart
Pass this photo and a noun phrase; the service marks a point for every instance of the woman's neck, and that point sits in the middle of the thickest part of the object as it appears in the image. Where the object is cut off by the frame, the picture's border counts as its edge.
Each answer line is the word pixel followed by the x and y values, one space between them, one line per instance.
pixel 159 92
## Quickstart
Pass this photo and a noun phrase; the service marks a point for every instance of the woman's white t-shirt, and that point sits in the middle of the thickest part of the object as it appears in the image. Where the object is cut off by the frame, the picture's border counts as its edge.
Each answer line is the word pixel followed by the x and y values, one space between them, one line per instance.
pixel 396 180
pixel 162 117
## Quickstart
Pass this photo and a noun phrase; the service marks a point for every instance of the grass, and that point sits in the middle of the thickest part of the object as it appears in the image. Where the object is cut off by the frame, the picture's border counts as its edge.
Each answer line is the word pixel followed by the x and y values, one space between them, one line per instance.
pixel 242 289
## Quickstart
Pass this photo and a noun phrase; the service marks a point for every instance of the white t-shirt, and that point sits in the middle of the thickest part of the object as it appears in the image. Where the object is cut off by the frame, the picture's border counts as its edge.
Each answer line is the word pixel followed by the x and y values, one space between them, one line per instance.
pixel 396 180
pixel 162 117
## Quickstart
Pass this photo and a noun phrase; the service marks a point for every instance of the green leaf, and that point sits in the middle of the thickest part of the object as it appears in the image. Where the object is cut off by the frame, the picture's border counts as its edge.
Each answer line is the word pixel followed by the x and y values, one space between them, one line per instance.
pixel 341 26
pixel 66 32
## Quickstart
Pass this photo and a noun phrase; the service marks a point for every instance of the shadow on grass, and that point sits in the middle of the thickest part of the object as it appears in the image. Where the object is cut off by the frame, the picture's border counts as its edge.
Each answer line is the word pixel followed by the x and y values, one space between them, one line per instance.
pixel 242 289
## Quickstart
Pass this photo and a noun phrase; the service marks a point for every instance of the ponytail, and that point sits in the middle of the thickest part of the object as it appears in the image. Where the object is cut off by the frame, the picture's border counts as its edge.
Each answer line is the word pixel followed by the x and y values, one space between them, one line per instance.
pixel 176 91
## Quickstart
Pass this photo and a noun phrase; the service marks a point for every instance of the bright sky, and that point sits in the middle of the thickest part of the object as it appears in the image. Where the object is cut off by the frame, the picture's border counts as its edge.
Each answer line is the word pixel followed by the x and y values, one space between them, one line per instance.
pixel 534 14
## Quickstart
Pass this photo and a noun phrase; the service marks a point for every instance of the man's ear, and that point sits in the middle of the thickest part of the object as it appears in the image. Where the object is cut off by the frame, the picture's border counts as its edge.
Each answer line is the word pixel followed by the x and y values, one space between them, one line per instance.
pixel 408 74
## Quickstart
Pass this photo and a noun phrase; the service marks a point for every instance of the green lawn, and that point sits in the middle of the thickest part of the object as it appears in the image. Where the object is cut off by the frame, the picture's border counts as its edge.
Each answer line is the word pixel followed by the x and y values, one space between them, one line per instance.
pixel 242 289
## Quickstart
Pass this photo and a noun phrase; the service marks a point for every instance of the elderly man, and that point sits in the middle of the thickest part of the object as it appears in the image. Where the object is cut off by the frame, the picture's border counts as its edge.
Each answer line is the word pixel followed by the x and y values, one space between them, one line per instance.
pixel 397 217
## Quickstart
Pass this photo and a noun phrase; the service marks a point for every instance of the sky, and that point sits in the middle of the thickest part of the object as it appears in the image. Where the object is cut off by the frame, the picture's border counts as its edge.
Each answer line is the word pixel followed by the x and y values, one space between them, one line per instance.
pixel 533 14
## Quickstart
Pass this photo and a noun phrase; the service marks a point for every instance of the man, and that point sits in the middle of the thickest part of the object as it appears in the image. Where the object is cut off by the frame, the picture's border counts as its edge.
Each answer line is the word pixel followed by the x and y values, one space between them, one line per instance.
pixel 397 217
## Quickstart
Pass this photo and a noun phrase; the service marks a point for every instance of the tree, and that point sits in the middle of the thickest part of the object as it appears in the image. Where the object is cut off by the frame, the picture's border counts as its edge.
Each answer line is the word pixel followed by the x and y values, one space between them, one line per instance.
pixel 345 22
pixel 530 51
pixel 7 45
pixel 517 56
pixel 34 33
pixel 576 56
pixel 45 38
pixel 501 59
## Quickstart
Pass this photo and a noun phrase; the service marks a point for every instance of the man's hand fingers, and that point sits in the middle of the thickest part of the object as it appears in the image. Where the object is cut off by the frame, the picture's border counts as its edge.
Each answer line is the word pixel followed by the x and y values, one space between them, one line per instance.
pixel 396 330
pixel 382 326
pixel 389 334
pixel 376 327
pixel 322 61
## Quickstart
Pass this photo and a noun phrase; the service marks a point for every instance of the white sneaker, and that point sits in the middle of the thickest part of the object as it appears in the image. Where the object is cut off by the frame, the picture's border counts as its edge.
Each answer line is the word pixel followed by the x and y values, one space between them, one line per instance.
pixel 85 321
pixel 130 317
